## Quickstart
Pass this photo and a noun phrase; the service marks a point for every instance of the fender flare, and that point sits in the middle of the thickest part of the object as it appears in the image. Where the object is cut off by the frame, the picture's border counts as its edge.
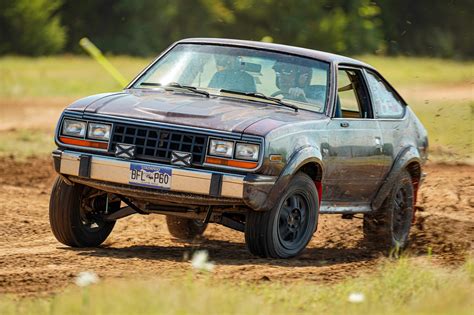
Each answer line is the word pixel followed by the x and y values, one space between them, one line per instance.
pixel 405 157
pixel 265 200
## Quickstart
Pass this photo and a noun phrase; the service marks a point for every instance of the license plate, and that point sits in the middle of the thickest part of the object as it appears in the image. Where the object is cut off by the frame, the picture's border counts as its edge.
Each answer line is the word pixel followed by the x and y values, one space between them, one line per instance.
pixel 150 176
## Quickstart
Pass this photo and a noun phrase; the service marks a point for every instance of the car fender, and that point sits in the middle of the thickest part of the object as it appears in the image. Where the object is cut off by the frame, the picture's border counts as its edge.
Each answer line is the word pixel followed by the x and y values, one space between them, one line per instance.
pixel 405 157
pixel 265 198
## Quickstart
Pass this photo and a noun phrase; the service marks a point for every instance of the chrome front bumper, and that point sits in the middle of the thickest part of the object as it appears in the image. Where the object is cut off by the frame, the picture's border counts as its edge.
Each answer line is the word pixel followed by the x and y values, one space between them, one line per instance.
pixel 94 169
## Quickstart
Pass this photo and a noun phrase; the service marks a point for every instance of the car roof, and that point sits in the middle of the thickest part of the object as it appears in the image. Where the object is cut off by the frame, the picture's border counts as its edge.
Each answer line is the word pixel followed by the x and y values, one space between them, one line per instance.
pixel 305 52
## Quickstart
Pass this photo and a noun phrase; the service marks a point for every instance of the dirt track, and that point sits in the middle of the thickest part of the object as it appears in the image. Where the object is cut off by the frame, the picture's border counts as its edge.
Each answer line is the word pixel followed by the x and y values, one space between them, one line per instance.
pixel 32 262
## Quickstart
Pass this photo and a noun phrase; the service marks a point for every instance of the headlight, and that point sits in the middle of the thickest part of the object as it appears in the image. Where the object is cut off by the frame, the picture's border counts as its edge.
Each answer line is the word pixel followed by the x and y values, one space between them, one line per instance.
pixel 247 151
pixel 98 131
pixel 74 128
pixel 221 148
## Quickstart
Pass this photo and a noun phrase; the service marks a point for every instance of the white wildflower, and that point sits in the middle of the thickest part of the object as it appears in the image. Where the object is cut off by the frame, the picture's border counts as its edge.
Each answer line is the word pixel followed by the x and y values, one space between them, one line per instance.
pixel 200 261
pixel 356 297
pixel 86 278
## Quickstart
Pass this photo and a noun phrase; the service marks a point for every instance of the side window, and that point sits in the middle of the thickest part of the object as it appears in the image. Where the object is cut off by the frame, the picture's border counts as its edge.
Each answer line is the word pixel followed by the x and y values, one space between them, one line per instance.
pixel 385 101
pixel 352 100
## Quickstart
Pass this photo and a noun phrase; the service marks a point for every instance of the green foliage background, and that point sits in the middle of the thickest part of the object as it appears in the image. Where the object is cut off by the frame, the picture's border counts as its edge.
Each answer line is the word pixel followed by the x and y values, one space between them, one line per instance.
pixel 145 27
pixel 31 27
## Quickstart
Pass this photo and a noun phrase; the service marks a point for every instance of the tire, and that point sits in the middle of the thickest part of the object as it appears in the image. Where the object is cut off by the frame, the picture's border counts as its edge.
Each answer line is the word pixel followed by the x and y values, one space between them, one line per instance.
pixel 284 231
pixel 185 229
pixel 389 227
pixel 69 223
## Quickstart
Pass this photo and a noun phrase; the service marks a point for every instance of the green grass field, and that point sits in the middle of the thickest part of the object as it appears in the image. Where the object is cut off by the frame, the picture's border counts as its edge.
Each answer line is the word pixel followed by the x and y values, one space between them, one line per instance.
pixel 439 91
pixel 75 76
pixel 402 71
pixel 24 143
pixel 403 287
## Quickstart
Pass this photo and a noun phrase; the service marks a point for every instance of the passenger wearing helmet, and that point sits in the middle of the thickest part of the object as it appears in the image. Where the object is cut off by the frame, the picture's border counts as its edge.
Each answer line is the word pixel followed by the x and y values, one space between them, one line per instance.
pixel 231 75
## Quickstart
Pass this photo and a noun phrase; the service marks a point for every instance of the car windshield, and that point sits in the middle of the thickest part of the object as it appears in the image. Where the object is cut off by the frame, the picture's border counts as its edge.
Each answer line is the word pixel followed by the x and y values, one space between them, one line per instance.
pixel 220 70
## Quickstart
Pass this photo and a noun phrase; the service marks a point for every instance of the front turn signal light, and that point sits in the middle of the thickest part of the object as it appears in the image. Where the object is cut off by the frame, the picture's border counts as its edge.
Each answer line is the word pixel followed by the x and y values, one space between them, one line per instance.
pixel 231 163
pixel 84 143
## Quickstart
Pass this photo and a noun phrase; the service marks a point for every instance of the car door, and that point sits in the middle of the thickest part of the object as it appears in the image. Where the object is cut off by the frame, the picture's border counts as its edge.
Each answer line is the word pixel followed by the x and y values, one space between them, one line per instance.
pixel 389 111
pixel 354 151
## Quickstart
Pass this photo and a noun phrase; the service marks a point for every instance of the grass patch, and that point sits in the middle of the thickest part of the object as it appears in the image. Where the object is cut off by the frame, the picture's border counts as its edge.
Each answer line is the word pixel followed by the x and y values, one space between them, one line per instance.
pixel 23 143
pixel 450 128
pixel 403 287
pixel 62 75
pixel 402 71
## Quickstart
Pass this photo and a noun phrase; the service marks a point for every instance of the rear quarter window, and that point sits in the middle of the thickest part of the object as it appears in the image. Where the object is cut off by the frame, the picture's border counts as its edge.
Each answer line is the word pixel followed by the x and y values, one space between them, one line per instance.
pixel 385 101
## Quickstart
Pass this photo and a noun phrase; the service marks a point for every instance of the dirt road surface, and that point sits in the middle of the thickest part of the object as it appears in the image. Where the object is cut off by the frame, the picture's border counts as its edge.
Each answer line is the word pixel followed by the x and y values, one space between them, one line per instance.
pixel 32 262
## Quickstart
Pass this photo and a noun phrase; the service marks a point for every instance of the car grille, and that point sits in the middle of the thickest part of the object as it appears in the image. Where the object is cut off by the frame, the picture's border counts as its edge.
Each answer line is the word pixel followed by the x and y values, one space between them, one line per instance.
pixel 156 144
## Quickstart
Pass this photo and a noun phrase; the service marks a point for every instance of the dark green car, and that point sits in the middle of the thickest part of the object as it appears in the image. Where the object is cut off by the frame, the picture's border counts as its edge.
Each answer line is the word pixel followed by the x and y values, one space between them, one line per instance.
pixel 258 137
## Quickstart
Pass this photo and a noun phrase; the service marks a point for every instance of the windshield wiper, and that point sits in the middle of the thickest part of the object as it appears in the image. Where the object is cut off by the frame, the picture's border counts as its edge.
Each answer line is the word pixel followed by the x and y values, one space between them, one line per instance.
pixel 177 86
pixel 262 96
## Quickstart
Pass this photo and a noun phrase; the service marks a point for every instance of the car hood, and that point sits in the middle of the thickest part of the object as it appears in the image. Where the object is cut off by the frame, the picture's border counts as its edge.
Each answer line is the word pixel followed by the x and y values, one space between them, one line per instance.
pixel 218 113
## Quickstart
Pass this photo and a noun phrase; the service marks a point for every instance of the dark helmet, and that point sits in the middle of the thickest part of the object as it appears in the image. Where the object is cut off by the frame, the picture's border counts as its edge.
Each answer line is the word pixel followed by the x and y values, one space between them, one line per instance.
pixel 286 69
pixel 303 76
pixel 227 61
pixel 282 69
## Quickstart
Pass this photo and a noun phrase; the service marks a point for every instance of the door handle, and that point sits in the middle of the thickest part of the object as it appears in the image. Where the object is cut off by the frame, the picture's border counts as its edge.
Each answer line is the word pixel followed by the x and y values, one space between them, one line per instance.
pixel 344 124
pixel 378 144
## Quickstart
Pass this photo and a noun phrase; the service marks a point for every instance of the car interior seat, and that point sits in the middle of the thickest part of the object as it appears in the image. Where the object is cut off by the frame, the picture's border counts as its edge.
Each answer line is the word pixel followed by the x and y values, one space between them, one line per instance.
pixel 237 80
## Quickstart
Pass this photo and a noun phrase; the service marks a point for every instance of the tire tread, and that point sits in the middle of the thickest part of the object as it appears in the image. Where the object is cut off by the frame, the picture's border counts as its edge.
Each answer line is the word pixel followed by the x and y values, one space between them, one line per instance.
pixel 259 229
pixel 64 217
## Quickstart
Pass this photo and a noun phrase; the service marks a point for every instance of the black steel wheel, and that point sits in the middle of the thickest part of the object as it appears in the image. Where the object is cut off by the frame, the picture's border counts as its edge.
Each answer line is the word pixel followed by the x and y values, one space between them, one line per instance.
pixel 293 221
pixel 285 231
pixel 183 228
pixel 72 222
pixel 389 227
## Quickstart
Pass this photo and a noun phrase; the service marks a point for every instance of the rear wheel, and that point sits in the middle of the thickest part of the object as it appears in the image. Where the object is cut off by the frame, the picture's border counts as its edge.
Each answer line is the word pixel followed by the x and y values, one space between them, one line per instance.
pixel 73 223
pixel 183 228
pixel 389 227
pixel 285 231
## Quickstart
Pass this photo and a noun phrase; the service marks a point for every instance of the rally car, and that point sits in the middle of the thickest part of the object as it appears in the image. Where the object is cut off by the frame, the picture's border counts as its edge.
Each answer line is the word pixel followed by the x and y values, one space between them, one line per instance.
pixel 259 137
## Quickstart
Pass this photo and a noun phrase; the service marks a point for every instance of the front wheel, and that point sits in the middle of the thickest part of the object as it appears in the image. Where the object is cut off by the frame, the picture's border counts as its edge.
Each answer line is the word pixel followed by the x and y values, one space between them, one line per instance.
pixel 285 231
pixel 71 222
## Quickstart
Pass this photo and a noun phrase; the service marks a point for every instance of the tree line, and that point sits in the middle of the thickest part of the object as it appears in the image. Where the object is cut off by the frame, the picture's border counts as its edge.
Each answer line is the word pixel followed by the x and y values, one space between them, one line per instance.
pixel 441 28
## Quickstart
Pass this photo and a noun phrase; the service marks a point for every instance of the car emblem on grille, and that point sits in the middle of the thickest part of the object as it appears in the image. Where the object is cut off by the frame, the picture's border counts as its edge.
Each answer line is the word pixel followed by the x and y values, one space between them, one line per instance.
pixel 125 151
pixel 181 158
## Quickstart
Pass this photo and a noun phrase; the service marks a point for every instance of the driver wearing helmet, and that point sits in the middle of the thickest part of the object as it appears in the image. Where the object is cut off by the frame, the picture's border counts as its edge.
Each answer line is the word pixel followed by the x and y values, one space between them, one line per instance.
pixel 292 80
